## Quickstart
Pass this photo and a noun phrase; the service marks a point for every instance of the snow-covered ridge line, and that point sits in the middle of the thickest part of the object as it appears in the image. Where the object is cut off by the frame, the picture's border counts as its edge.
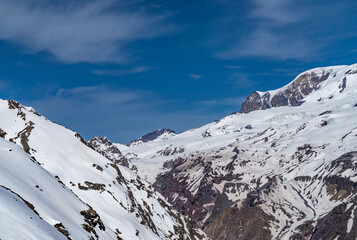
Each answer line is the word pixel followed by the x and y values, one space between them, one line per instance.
pixel 159 134
pixel 318 71
pixel 294 93
pixel 285 166
pixel 100 199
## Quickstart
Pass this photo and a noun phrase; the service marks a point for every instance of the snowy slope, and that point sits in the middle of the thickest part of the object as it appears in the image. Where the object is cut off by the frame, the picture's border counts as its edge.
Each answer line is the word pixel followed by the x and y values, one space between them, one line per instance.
pixel 17 214
pixel 70 184
pixel 284 153
pixel 24 184
pixel 157 135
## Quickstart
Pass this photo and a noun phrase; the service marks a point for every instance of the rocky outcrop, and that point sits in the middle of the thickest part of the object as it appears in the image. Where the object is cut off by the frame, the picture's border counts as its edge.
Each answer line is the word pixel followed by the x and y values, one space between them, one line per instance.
pixel 152 136
pixel 255 101
pixel 174 187
pixel 249 218
pixel 340 223
pixel 246 223
pixel 291 95
pixel 202 202
pixel 108 150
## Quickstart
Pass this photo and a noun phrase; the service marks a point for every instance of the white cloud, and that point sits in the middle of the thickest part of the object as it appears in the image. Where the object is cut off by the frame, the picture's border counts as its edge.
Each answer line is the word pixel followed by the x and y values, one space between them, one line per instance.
pixel 234 67
pixel 267 43
pixel 119 72
pixel 289 72
pixel 285 29
pixel 233 101
pixel 97 95
pixel 120 114
pixel 195 76
pixel 241 80
pixel 78 31
pixel 277 12
pixel 3 84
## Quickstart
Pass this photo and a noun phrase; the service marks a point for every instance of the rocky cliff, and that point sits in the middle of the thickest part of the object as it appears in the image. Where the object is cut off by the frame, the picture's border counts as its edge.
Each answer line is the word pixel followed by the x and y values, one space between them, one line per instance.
pixel 290 95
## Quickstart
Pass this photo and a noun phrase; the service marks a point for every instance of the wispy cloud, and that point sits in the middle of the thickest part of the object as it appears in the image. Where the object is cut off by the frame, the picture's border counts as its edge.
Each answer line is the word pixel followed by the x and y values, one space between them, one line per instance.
pixel 97 95
pixel 120 114
pixel 289 72
pixel 286 29
pixel 266 43
pixel 276 12
pixel 233 101
pixel 119 72
pixel 195 76
pixel 241 80
pixel 99 110
pixel 3 84
pixel 234 67
pixel 78 31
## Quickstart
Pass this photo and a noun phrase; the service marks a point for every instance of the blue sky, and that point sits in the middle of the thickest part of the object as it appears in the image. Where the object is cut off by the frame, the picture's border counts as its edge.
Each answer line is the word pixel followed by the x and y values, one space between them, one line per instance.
pixel 124 68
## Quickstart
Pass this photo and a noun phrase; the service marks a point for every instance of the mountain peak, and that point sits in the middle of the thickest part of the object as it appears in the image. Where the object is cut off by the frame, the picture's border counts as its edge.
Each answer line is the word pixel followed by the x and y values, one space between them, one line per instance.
pixel 160 133
pixel 294 93
pixel 282 173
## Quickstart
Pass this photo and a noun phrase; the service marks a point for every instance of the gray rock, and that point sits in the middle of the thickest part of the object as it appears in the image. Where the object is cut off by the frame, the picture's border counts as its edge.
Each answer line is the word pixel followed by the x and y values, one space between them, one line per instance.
pixel 108 150
pixel 292 95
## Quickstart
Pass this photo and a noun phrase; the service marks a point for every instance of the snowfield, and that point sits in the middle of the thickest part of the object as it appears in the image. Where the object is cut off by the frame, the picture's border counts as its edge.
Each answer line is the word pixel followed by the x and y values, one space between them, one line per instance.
pixel 56 187
pixel 285 167
pixel 287 152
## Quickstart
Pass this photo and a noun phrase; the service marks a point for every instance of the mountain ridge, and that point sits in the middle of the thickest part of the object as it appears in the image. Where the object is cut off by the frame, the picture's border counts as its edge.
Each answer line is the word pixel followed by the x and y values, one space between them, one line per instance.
pixel 151 136
pixel 54 157
pixel 284 171
pixel 292 93
pixel 280 161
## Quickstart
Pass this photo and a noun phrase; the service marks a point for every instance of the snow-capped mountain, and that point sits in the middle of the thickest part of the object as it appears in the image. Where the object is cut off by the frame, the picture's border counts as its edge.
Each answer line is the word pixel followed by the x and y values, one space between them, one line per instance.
pixel 159 134
pixel 57 187
pixel 285 167
pixel 292 94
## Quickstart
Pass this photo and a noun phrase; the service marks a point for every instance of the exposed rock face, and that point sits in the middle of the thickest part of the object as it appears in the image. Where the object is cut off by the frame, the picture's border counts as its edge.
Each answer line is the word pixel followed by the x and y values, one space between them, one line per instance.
pixel 340 223
pixel 152 136
pixel 249 220
pixel 256 102
pixel 108 150
pixel 291 95
pixel 203 202
pixel 246 223
pixel 335 225
pixel 174 187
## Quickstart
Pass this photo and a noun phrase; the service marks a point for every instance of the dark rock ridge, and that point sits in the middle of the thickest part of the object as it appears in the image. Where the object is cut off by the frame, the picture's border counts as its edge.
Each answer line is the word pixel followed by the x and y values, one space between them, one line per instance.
pixel 245 223
pixel 249 221
pixel 292 95
pixel 151 136
pixel 108 150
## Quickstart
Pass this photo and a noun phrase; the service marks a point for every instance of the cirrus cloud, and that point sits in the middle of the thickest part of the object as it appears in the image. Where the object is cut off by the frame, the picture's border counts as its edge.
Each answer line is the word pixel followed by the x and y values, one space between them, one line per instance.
pixel 78 31
pixel 119 72
pixel 195 76
pixel 290 30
